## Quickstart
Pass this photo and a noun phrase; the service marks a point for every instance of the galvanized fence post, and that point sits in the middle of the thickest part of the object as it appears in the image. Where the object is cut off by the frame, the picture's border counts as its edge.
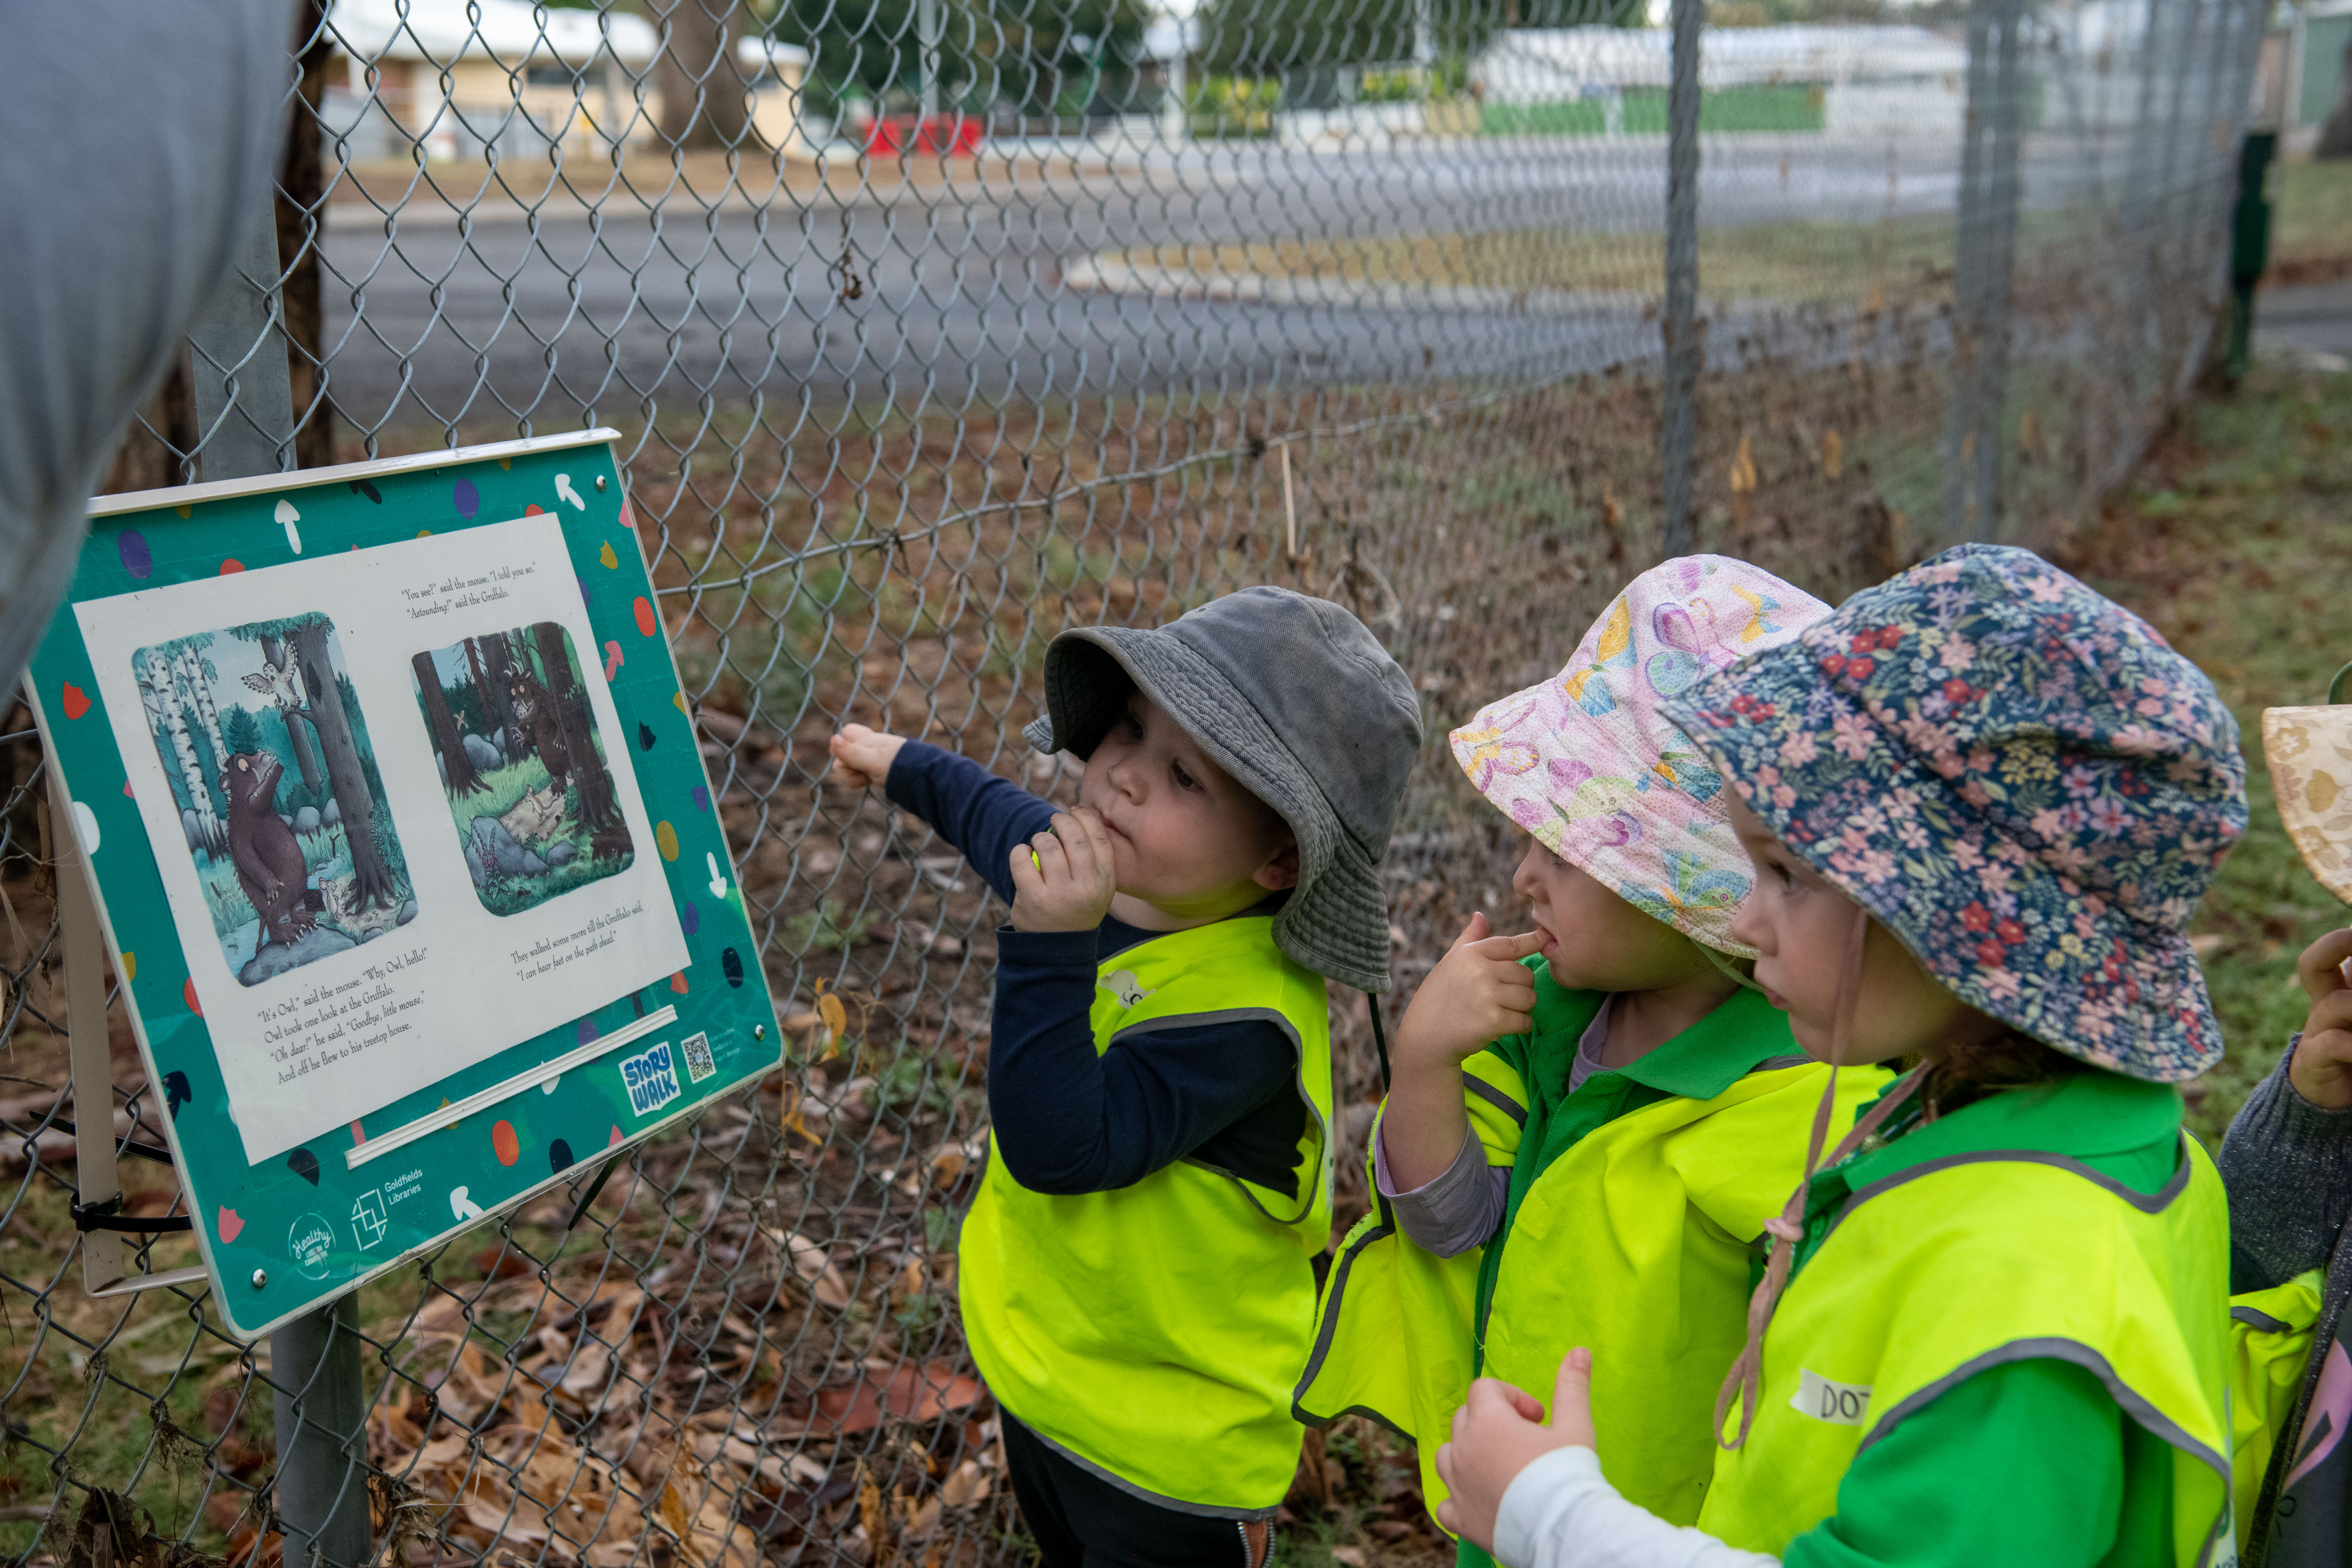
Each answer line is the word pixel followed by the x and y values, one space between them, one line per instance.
pixel 1679 447
pixel 1985 255
pixel 244 417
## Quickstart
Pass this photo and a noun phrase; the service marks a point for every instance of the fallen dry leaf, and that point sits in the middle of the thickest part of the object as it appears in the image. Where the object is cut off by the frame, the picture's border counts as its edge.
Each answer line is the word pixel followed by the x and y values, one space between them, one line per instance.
pixel 814 1264
pixel 964 1485
pixel 925 1394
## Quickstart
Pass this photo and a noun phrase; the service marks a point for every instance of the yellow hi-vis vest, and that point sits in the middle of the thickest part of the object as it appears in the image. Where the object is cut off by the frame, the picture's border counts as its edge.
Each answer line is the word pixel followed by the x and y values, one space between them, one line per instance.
pixel 2270 1345
pixel 1956 1265
pixel 1153 1334
pixel 1395 1334
pixel 1635 1243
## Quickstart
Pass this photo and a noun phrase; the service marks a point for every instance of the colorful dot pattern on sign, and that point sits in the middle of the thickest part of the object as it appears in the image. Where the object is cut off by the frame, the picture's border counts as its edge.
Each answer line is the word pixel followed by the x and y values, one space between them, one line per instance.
pixel 266 1218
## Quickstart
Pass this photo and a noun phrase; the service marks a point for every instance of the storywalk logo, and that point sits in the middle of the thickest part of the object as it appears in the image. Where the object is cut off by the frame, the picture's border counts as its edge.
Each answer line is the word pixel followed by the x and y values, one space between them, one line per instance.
pixel 651 1079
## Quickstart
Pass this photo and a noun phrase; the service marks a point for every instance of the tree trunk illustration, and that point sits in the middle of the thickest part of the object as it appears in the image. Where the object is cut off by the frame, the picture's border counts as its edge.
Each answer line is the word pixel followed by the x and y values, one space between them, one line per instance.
pixel 482 694
pixel 200 692
pixel 598 809
pixel 162 689
pixel 306 757
pixel 373 880
pixel 461 779
pixel 498 663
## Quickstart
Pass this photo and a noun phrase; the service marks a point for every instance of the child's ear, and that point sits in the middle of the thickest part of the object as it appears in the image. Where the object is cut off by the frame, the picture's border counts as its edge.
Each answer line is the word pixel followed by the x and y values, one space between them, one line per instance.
pixel 1281 871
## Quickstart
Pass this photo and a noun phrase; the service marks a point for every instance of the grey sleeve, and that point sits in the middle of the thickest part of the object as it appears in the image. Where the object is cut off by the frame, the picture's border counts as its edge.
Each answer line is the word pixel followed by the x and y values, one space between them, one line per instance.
pixel 2287 1164
pixel 1456 1210
pixel 141 136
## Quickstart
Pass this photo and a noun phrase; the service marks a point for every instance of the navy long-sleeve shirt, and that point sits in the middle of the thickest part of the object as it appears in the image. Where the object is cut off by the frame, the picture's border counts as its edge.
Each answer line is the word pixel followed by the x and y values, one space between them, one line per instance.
pixel 1068 1120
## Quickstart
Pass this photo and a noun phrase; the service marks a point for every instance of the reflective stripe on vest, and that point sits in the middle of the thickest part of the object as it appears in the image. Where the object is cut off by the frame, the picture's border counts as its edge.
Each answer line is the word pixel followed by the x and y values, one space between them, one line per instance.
pixel 2270 1346
pixel 1392 1334
pixel 1638 1237
pixel 1154 1333
pixel 1953 1265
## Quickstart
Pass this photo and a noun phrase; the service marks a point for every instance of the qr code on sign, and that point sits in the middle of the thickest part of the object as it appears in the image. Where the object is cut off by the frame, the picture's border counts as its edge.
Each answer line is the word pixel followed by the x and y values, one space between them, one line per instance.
pixel 695 1048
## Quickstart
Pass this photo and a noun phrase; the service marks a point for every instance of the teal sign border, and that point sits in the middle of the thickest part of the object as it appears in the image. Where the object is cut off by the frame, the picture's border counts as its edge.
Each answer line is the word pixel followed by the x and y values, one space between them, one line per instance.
pixel 301 1222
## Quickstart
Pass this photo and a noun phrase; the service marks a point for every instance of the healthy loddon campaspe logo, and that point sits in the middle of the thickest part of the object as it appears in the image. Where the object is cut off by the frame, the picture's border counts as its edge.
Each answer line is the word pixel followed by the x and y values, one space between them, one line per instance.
pixel 310 1243
pixel 1840 1404
pixel 651 1078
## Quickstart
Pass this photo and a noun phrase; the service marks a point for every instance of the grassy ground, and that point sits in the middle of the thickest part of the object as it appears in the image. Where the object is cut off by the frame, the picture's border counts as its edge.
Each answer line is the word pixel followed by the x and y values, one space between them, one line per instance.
pixel 1861 264
pixel 2311 228
pixel 2234 546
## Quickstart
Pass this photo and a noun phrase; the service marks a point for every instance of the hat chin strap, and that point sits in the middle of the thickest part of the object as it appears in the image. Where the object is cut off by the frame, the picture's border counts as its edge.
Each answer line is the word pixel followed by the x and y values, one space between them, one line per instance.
pixel 1730 969
pixel 1786 1227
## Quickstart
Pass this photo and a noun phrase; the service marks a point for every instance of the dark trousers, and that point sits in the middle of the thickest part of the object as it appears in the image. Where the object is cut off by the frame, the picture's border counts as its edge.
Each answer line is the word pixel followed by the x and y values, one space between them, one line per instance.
pixel 1081 1521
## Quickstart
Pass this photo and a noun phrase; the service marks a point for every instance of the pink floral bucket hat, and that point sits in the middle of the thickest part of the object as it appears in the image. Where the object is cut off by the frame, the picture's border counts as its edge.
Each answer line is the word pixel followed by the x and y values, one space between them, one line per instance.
pixel 1589 763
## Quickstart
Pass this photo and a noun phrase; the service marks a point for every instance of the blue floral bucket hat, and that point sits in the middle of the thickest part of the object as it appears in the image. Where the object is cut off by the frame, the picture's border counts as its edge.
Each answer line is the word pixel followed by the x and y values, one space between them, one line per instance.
pixel 2019 778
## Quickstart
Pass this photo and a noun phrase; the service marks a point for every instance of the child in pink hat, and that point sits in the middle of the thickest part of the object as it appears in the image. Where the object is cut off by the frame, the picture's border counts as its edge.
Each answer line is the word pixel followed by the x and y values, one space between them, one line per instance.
pixel 1588 1123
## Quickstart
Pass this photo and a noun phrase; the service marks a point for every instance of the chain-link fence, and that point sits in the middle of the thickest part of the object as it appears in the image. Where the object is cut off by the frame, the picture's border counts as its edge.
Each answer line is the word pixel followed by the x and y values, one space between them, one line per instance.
pixel 936 326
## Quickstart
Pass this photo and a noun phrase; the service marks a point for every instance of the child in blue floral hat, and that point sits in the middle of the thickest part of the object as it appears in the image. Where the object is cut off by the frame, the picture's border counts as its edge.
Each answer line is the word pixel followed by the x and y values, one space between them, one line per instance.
pixel 1982 802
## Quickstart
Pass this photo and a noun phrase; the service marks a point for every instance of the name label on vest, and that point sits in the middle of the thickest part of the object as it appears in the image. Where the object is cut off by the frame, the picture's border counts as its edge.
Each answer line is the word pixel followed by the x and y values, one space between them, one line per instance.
pixel 1839 1403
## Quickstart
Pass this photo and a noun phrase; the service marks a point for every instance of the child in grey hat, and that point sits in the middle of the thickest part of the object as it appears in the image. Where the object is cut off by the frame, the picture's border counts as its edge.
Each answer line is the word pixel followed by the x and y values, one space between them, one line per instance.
pixel 1136 1273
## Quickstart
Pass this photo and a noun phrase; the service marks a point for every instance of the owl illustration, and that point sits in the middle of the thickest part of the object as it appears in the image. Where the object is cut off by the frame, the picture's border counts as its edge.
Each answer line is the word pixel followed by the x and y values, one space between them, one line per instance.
pixel 282 684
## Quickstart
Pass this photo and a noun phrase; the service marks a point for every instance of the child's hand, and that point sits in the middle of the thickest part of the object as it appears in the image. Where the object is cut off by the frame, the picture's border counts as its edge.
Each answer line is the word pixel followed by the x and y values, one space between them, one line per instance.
pixel 2322 1070
pixel 1497 1433
pixel 1478 994
pixel 1065 879
pixel 862 757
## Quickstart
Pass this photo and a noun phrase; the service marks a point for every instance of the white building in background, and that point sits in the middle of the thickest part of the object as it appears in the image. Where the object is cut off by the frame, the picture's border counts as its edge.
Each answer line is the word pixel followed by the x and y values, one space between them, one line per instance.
pixel 1873 81
pixel 460 77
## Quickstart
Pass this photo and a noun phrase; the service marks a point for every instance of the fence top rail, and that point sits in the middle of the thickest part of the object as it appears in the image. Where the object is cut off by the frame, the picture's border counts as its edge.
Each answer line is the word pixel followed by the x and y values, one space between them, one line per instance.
pixel 306 479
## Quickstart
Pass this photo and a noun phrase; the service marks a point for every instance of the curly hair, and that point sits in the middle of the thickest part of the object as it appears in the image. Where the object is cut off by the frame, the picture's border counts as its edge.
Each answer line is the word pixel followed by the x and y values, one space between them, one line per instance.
pixel 2006 1060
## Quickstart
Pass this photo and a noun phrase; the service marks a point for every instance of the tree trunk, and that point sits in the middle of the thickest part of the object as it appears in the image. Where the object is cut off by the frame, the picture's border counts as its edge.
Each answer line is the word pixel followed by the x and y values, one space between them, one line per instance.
pixel 598 806
pixel 705 98
pixel 306 759
pixel 498 660
pixel 163 689
pixel 373 884
pixel 461 778
pixel 302 213
pixel 482 698
pixel 200 692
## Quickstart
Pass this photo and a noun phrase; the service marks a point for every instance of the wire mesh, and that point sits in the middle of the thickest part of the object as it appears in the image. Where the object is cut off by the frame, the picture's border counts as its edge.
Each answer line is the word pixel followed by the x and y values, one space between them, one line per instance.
pixel 936 328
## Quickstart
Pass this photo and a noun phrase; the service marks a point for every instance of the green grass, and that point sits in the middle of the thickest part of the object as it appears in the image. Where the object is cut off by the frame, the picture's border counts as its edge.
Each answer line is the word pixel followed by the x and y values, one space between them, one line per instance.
pixel 1764 107
pixel 502 788
pixel 511 898
pixel 2311 222
pixel 2236 551
pixel 1866 264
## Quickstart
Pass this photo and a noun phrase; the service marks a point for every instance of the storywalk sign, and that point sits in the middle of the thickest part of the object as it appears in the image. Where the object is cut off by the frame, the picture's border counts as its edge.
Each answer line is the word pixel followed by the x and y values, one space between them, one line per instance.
pixel 401 838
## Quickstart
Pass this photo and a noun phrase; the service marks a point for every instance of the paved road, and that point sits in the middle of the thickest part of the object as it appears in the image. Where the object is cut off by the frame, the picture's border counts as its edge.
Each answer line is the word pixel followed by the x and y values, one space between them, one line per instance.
pixel 959 293
pixel 2305 318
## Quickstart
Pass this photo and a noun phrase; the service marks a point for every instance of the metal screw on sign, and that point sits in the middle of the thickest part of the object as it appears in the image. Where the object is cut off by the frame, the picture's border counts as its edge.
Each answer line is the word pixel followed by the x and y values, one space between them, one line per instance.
pixel 245 410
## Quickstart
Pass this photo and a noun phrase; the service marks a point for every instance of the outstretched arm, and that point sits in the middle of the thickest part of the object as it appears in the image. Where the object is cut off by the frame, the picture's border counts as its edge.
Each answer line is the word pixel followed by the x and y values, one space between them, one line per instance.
pixel 983 815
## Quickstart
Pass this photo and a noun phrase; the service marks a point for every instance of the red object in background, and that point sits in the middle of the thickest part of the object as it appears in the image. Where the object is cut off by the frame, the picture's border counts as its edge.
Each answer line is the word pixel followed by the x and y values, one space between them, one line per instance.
pixel 950 135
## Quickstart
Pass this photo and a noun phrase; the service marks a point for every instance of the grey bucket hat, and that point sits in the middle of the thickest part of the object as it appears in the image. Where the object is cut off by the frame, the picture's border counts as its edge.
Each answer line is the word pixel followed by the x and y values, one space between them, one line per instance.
pixel 1301 704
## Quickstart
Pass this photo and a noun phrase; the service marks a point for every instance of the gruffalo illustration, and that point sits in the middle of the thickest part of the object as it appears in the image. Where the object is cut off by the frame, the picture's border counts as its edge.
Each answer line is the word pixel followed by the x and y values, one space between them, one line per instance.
pixel 268 861
pixel 535 717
